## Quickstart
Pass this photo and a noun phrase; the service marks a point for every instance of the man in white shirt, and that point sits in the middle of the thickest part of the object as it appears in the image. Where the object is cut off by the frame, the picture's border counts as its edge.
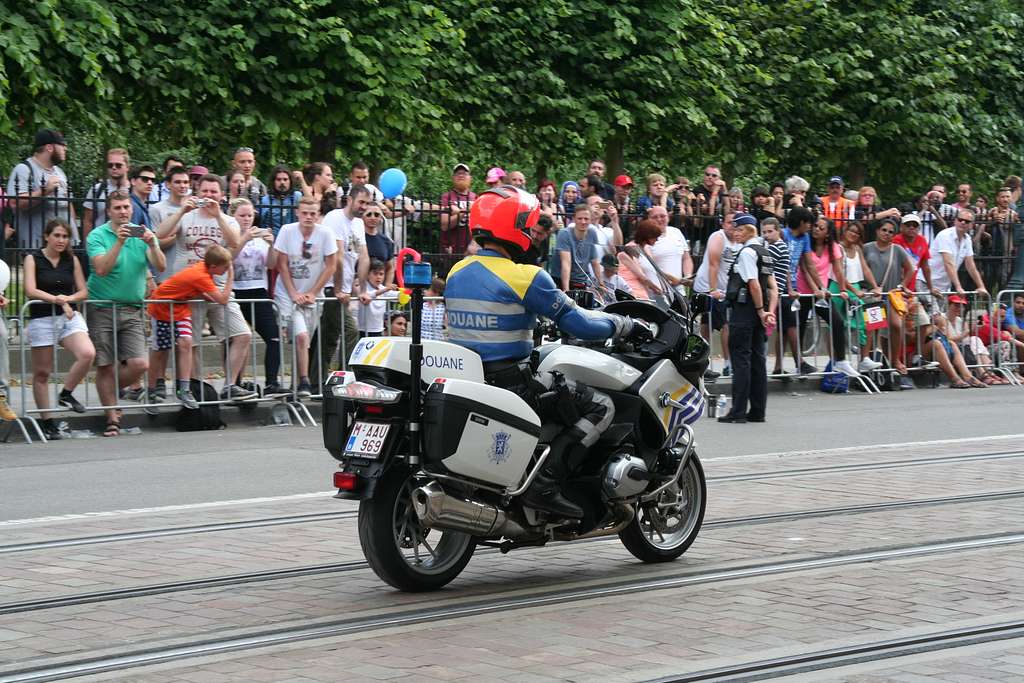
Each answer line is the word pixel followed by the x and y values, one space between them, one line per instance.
pixel 712 278
pixel 307 255
pixel 604 218
pixel 196 226
pixel 671 252
pixel 951 249
pixel 352 266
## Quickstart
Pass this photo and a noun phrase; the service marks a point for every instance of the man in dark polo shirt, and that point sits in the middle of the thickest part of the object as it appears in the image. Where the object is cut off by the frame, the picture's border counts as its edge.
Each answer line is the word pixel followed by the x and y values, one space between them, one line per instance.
pixel 455 213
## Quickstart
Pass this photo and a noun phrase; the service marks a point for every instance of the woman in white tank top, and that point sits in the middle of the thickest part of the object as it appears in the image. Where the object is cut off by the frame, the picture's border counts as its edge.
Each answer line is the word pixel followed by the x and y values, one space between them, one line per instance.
pixel 855 268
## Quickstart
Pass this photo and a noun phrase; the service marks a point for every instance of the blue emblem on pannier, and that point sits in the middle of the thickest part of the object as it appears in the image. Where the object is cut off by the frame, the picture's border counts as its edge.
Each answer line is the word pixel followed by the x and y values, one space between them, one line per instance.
pixel 498 452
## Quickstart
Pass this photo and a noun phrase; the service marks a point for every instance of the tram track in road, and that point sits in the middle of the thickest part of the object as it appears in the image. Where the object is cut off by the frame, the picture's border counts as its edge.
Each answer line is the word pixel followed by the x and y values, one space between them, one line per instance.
pixel 282 635
pixel 356 565
pixel 327 516
pixel 852 654
pixel 175 531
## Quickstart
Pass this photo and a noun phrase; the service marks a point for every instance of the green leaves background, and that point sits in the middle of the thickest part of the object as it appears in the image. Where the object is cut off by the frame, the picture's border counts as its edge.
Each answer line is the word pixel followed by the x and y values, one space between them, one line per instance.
pixel 896 93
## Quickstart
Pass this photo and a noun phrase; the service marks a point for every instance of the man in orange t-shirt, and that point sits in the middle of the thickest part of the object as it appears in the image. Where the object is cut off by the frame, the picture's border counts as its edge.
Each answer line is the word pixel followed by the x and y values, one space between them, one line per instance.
pixel 172 324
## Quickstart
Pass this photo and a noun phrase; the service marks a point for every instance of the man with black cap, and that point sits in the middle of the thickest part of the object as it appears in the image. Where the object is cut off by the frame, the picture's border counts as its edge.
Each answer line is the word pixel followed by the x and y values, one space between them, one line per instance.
pixel 42 190
pixel 752 295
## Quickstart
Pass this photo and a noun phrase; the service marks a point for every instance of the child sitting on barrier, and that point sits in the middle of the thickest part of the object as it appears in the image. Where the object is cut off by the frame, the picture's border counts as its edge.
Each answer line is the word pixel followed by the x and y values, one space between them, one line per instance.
pixel 371 313
pixel 173 323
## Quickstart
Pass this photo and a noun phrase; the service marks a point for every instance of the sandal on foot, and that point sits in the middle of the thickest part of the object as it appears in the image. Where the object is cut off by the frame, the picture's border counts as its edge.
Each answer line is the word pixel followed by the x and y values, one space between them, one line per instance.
pixel 112 429
pixel 960 385
pixel 977 383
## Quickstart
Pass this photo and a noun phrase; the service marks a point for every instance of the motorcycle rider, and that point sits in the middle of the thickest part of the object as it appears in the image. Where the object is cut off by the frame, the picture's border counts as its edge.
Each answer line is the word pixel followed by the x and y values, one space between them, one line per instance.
pixel 493 299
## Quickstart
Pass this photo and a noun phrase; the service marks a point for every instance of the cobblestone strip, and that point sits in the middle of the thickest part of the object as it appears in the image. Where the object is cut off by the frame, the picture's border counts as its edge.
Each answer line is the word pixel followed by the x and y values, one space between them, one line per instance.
pixel 665 632
pixel 84 628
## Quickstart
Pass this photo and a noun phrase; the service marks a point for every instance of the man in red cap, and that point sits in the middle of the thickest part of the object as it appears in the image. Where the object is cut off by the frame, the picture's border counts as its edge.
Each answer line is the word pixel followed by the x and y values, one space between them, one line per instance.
pixel 623 188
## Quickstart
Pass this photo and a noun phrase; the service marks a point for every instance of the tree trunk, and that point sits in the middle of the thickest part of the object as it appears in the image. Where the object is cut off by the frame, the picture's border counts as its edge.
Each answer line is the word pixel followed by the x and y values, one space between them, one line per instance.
pixel 322 146
pixel 855 175
pixel 613 153
pixel 542 172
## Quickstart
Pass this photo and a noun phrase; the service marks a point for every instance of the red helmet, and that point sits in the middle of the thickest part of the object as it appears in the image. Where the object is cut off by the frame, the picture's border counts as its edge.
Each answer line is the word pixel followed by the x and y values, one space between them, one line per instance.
pixel 504 214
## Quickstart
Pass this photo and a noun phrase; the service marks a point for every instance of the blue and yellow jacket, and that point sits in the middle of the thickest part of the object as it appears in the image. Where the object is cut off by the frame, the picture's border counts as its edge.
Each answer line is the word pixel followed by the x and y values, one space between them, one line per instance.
pixel 493 304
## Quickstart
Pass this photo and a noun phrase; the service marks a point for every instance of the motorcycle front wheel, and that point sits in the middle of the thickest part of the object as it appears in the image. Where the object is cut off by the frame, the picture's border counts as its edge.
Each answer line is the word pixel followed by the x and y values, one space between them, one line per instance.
pixel 398 548
pixel 665 527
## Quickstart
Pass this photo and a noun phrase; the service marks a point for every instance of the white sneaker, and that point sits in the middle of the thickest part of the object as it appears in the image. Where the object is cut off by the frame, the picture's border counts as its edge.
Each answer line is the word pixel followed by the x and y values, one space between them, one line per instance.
pixel 846 368
pixel 867 365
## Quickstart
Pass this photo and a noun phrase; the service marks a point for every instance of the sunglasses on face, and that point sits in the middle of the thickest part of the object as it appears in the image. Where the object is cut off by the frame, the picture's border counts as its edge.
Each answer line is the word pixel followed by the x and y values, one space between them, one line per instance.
pixel 307 250
pixel 147 178
pixel 114 164
pixel 373 215
pixel 968 221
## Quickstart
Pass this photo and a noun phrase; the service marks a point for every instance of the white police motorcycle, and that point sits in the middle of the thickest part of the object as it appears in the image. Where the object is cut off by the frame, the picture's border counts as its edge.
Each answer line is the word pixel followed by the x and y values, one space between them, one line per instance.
pixel 441 470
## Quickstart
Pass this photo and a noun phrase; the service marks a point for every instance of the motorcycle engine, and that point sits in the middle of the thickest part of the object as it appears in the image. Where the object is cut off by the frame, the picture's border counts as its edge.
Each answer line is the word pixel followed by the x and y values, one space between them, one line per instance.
pixel 625 475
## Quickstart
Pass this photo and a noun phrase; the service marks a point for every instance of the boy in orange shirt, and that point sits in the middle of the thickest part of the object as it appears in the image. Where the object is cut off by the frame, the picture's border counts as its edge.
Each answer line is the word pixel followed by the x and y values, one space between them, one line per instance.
pixel 194 282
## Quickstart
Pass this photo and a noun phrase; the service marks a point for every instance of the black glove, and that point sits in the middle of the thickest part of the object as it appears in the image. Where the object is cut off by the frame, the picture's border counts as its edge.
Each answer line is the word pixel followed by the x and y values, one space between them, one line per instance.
pixel 642 332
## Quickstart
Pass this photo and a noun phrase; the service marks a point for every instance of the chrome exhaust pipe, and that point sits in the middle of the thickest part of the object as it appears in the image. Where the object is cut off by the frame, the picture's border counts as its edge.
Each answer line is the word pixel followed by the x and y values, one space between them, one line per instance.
pixel 439 510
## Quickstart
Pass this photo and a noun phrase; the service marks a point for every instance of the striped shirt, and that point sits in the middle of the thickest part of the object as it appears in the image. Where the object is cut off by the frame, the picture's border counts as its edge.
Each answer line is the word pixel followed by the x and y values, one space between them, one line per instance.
pixel 780 267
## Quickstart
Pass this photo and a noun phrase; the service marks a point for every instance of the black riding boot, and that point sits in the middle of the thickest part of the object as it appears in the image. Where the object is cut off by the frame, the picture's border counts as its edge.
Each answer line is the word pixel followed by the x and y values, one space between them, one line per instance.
pixel 545 493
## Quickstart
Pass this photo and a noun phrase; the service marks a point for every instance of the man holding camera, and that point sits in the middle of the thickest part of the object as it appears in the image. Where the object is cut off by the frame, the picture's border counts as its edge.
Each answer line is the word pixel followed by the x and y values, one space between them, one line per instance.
pixel 120 254
pixel 198 225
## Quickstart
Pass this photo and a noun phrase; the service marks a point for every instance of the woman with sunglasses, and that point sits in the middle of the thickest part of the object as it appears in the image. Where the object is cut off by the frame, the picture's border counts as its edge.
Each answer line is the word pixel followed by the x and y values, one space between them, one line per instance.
pixel 891 266
pixel 253 259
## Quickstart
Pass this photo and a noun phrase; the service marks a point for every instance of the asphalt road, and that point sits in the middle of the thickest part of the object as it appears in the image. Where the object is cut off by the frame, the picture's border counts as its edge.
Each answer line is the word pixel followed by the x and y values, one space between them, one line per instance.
pixel 166 468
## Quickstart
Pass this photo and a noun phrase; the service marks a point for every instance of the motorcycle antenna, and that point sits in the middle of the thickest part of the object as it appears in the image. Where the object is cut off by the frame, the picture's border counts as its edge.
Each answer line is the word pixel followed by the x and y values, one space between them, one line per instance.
pixel 414 275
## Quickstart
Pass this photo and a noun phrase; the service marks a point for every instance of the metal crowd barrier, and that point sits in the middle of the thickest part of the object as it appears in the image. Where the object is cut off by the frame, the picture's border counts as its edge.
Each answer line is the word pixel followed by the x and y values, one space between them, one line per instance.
pixel 930 301
pixel 297 411
pixel 1009 368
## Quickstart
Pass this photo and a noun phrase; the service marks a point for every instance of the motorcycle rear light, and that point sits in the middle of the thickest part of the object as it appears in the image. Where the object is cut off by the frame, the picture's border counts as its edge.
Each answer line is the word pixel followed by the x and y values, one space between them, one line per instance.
pixel 345 481
pixel 373 410
pixel 366 393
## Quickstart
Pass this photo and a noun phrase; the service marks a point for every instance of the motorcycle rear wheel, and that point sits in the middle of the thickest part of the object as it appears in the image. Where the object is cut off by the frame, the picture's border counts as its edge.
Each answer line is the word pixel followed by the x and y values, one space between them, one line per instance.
pixel 666 527
pixel 402 552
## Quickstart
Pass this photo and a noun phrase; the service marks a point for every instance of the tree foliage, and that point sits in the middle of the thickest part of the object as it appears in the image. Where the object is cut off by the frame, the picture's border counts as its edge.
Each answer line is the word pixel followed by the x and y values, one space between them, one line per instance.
pixel 896 93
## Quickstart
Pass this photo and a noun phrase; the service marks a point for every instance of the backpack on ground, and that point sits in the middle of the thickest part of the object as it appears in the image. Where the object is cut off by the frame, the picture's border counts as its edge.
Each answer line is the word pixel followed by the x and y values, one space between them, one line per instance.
pixel 206 417
pixel 834 382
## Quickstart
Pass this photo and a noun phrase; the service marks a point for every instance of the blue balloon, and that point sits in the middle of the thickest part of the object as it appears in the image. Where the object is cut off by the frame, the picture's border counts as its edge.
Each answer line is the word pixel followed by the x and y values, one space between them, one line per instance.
pixel 392 182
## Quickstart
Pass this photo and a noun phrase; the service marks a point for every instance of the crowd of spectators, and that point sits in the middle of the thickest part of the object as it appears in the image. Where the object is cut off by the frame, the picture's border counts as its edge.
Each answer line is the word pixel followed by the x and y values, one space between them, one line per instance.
pixel 324 252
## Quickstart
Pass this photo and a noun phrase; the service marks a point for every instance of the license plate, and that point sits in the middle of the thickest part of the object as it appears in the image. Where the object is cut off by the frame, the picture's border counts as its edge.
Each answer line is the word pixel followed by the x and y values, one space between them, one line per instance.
pixel 366 440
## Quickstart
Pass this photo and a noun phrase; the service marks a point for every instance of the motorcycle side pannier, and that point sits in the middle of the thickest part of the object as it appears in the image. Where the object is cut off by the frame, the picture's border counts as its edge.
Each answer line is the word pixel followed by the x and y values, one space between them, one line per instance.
pixel 478 431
